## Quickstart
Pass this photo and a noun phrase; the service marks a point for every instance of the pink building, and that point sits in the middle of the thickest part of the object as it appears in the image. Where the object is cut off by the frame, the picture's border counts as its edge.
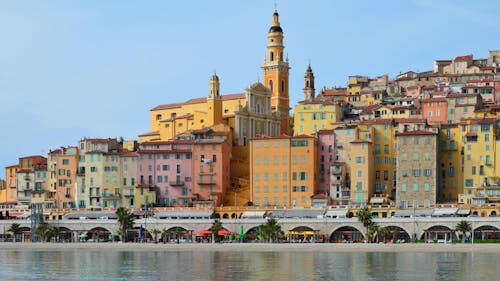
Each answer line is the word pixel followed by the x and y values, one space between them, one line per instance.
pixel 168 166
pixel 211 170
pixel 326 156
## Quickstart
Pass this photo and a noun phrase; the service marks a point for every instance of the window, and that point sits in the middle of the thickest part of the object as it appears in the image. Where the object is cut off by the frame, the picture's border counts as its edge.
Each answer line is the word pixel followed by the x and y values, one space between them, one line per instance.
pixel 427 187
pixel 428 172
pixel 415 187
pixel 469 182
pixel 403 187
pixel 415 172
pixel 360 159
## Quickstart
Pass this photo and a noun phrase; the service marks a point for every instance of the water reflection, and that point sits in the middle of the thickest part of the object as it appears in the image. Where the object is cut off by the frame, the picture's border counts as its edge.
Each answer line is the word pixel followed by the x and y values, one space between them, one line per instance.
pixel 85 264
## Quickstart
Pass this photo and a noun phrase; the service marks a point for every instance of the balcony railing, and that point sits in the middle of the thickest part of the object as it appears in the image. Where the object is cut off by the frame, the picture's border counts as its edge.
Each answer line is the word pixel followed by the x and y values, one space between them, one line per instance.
pixel 176 183
pixel 206 182
pixel 111 196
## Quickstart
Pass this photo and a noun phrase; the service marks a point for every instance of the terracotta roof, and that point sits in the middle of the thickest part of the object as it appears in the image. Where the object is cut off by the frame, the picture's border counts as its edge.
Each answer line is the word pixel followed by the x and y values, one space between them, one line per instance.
pixel 416 133
pixel 325 132
pixel 460 95
pixel 282 137
pixel 370 108
pixel 167 106
pixel 198 100
pixel 233 96
pixel 185 116
pixel 463 58
pixel 433 99
pixel 410 120
pixel 128 153
pixel 471 134
pixel 319 196
pixel 333 92
pixel 154 133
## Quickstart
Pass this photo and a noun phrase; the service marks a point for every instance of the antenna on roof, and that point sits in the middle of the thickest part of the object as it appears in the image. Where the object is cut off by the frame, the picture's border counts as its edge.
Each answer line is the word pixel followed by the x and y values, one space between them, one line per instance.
pixel 275 5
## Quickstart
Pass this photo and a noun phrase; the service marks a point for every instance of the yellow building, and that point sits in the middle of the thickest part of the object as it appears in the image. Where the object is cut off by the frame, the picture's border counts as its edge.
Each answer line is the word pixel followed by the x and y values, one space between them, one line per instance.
pixel 384 155
pixel 169 120
pixel 283 170
pixel 451 173
pixel 481 172
pixel 317 114
pixel 362 178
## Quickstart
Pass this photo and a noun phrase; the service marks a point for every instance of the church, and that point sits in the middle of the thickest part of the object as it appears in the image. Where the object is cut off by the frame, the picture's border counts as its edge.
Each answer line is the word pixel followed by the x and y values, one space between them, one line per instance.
pixel 262 110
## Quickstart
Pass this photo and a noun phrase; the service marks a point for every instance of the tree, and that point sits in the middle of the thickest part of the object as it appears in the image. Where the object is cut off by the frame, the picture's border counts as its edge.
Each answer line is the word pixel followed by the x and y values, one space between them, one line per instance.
pixel 43 231
pixel 15 228
pixel 463 226
pixel 372 231
pixel 271 230
pixel 178 233
pixel 125 220
pixel 216 226
pixel 164 235
pixel 155 233
pixel 365 217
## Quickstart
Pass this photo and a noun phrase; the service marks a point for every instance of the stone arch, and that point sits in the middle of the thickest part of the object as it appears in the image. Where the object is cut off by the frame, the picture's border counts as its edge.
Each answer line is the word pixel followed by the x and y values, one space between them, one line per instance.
pixel 486 232
pixel 98 233
pixel 346 234
pixel 217 216
pixel 400 234
pixel 303 233
pixel 438 232
pixel 234 216
pixel 175 234
pixel 225 216
pixel 65 233
pixel 493 214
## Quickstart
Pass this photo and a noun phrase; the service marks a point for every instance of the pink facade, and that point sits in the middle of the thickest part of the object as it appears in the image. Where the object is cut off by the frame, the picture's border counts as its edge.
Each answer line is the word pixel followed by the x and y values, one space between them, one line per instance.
pixel 211 170
pixel 168 166
pixel 326 157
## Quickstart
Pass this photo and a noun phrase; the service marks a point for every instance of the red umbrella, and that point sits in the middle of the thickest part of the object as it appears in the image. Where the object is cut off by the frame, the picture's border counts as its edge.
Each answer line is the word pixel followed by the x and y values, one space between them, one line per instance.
pixel 223 232
pixel 205 232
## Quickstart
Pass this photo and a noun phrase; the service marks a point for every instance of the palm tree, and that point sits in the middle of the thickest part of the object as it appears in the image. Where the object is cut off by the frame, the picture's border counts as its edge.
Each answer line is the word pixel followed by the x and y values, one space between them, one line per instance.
pixel 15 228
pixel 42 231
pixel 216 226
pixel 384 232
pixel 463 227
pixel 126 221
pixel 272 230
pixel 178 233
pixel 164 234
pixel 365 217
pixel 155 233
pixel 372 231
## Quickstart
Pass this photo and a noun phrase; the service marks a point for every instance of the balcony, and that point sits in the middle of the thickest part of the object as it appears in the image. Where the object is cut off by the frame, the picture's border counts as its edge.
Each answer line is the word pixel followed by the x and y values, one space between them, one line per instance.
pixel 111 196
pixel 206 183
pixel 176 183
pixel 335 170
pixel 95 195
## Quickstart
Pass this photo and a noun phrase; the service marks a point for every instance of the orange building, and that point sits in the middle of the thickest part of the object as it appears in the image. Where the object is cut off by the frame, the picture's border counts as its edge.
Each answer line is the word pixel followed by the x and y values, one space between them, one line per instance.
pixel 63 167
pixel 9 195
pixel 283 170
pixel 435 110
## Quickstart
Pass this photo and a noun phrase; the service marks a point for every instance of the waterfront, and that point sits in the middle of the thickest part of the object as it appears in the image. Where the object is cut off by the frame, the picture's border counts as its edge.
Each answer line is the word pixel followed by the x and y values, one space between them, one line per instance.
pixel 116 261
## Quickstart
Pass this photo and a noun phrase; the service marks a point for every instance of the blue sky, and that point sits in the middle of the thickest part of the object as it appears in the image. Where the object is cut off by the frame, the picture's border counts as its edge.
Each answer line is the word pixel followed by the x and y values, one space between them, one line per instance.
pixel 74 69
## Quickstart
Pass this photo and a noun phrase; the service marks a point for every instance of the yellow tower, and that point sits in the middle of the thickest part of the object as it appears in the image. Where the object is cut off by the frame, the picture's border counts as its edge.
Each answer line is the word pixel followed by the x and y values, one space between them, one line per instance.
pixel 214 102
pixel 276 73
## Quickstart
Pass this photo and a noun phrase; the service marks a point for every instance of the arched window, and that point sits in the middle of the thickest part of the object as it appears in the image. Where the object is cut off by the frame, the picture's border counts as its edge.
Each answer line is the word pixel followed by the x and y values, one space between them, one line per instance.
pixel 271 85
pixel 281 56
pixel 282 85
pixel 272 56
pixel 307 84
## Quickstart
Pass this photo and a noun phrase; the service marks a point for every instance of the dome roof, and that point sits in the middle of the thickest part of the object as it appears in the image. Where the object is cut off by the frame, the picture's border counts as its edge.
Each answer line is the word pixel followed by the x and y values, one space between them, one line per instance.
pixel 275 29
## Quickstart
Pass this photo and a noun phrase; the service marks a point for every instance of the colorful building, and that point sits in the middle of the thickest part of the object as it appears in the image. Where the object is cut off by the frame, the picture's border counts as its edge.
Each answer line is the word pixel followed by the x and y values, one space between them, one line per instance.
pixel 283 170
pixel 418 170
pixel 167 166
pixel 362 173
pixel 326 157
pixel 9 195
pixel 62 169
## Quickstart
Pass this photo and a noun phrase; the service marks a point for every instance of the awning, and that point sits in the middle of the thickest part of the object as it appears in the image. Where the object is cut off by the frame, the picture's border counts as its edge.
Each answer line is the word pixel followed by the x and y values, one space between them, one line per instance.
pixel 411 212
pixel 253 215
pixel 299 213
pixel 444 212
pixel 377 200
pixel 190 214
pixel 24 216
pixel 336 213
pixel 463 211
